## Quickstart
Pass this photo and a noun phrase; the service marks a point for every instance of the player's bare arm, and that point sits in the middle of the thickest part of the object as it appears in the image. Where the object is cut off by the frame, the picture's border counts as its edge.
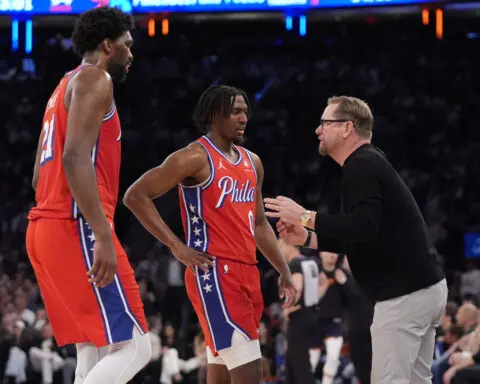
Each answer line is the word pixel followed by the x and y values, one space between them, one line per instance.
pixel 188 166
pixel 267 242
pixel 298 282
pixel 88 98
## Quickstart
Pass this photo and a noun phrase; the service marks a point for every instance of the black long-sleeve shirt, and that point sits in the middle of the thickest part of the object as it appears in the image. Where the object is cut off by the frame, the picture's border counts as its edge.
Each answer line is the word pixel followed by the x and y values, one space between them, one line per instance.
pixel 381 229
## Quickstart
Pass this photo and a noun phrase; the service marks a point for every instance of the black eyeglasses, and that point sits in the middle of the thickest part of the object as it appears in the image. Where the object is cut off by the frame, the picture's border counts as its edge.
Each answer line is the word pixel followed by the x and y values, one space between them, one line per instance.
pixel 324 122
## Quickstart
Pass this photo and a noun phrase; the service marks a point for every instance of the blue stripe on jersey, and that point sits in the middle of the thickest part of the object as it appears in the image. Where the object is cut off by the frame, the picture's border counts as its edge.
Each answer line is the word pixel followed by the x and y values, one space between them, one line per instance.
pixel 215 309
pixel 197 230
pixel 84 240
pixel 110 114
pixel 212 167
pixel 117 316
pixel 251 162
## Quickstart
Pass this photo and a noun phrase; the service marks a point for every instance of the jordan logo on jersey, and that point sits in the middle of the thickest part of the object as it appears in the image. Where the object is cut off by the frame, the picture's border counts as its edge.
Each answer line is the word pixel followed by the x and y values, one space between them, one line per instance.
pixel 229 188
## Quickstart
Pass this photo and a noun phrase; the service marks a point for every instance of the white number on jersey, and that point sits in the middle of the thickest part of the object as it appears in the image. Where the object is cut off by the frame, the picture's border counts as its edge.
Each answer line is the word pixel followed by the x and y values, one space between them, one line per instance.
pixel 251 221
pixel 47 142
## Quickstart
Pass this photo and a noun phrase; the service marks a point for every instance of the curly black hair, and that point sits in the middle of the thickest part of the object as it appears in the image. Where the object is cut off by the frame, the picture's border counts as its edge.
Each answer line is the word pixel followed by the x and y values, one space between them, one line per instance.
pixel 97 24
pixel 216 101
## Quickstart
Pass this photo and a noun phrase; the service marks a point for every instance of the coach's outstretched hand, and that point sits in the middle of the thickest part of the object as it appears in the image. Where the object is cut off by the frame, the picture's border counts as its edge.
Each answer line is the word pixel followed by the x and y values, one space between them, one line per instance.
pixel 287 290
pixel 191 258
pixel 284 208
pixel 104 265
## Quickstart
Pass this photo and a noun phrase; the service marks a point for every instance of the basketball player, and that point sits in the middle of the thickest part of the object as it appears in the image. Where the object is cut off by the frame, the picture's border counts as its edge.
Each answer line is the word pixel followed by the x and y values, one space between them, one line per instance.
pixel 88 286
pixel 224 221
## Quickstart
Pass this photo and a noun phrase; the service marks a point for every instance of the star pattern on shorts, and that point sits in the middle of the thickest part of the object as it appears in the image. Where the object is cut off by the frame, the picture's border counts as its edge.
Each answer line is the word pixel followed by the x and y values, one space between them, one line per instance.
pixel 208 288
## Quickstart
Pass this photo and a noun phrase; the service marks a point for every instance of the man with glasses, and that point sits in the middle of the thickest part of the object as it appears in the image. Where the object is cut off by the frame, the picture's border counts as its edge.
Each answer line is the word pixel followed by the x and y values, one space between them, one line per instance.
pixel 384 235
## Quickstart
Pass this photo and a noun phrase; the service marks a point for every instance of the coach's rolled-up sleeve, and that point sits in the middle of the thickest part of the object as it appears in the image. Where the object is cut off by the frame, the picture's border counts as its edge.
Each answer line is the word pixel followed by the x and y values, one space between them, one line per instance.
pixel 362 203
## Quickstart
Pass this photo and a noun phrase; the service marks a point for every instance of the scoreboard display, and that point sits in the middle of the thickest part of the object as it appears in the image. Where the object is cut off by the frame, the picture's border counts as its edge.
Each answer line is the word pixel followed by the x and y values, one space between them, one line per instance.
pixel 52 7
pixel 256 5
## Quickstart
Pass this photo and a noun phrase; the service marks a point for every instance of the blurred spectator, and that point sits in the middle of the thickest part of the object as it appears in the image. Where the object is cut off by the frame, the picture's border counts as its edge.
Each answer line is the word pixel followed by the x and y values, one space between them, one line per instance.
pixel 44 359
pixel 172 365
pixel 25 314
pixel 470 280
pixel 16 359
pixel 465 364
pixel 467 320
pixel 467 317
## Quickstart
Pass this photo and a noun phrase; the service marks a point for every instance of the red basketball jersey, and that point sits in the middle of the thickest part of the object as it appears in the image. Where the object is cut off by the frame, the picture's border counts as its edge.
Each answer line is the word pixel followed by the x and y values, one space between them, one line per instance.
pixel 53 196
pixel 219 215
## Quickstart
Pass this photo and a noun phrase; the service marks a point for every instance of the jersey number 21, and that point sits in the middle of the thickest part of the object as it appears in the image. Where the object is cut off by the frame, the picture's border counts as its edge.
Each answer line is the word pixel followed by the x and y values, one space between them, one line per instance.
pixel 47 142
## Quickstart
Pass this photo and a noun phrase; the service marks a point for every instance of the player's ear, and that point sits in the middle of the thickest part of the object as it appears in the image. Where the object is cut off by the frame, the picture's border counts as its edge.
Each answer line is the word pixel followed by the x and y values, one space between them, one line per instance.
pixel 108 46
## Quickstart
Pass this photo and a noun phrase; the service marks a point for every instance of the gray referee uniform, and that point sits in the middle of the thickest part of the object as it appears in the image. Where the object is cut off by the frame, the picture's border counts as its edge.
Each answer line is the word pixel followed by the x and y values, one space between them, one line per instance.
pixel 302 323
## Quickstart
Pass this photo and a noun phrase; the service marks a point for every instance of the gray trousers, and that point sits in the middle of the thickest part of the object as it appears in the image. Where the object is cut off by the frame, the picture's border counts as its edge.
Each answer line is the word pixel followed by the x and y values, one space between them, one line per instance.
pixel 403 336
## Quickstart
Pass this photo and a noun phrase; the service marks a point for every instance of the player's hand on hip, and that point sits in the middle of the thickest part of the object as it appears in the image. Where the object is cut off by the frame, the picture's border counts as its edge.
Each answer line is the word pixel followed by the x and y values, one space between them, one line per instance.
pixel 284 208
pixel 294 234
pixel 192 258
pixel 287 290
pixel 104 265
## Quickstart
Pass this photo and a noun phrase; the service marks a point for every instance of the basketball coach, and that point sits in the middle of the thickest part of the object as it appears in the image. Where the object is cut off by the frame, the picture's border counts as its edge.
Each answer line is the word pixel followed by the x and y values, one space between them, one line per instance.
pixel 384 235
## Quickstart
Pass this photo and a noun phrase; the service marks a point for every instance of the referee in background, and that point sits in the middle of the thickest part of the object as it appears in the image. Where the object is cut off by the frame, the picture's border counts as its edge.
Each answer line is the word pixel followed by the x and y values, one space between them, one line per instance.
pixel 384 235
pixel 302 319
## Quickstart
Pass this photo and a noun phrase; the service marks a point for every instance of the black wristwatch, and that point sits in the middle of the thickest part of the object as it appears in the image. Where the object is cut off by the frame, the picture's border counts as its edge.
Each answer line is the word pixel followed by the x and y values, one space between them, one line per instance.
pixel 308 240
